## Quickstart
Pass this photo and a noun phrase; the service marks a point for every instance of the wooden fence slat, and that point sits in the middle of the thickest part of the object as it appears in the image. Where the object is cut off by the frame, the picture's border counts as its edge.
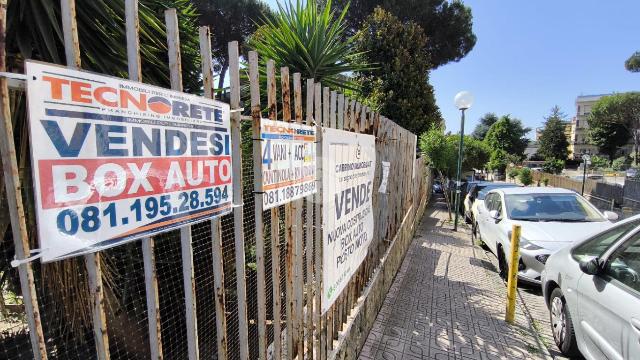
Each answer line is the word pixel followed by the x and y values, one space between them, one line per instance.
pixel 272 105
pixel 16 207
pixel 332 109
pixel 257 183
pixel 308 221
pixel 216 224
pixel 92 261
pixel 188 275
pixel 341 111
pixel 318 223
pixel 298 235
pixel 326 122
pixel 238 215
pixel 148 244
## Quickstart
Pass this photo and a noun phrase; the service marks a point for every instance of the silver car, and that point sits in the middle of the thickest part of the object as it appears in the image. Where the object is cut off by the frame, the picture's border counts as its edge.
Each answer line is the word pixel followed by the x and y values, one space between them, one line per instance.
pixel 592 290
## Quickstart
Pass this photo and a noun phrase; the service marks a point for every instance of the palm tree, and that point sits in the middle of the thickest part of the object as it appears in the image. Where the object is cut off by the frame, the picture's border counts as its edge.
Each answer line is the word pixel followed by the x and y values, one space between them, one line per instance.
pixel 309 39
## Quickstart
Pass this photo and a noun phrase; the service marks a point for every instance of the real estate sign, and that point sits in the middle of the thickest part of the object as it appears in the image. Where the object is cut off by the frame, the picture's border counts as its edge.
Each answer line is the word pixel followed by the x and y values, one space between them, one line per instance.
pixel 115 160
pixel 348 168
pixel 288 161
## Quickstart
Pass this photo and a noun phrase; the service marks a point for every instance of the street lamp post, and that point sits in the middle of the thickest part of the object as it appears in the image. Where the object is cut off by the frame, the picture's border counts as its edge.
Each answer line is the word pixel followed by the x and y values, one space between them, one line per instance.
pixel 586 160
pixel 463 101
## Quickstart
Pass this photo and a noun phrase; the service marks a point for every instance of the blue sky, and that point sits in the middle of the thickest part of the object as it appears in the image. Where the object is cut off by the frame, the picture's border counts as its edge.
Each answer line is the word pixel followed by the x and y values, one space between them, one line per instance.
pixel 531 55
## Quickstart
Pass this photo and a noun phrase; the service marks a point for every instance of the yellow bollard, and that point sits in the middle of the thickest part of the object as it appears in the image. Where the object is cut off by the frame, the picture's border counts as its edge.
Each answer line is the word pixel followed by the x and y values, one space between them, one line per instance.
pixel 512 282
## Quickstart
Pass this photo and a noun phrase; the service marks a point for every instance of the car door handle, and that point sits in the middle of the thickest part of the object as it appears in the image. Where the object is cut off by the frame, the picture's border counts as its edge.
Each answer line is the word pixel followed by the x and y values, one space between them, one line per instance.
pixel 635 324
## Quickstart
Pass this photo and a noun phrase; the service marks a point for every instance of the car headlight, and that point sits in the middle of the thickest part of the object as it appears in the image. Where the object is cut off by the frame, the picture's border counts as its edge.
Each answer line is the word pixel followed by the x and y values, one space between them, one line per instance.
pixel 542 258
pixel 527 245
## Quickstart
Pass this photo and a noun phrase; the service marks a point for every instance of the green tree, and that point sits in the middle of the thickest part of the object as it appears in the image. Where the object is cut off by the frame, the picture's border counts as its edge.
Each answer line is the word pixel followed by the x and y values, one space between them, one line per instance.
pixel 482 128
pixel 633 62
pixel 525 176
pixel 553 166
pixel 438 149
pixel 621 163
pixel 508 135
pixel 475 153
pixel 498 161
pixel 610 116
pixel 447 24
pixel 309 39
pixel 553 141
pixel 398 87
pixel 230 20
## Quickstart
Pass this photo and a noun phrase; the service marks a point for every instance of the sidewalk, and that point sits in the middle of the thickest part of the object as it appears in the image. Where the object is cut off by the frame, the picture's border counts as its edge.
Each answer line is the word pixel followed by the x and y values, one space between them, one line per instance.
pixel 447 302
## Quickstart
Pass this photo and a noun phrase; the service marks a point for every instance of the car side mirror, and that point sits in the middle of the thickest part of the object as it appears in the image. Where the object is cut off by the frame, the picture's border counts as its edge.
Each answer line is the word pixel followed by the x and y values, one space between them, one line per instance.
pixel 590 266
pixel 495 215
pixel 610 215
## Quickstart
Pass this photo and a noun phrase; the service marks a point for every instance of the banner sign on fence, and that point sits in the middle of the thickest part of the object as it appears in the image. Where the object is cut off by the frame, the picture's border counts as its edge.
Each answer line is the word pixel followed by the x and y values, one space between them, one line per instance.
pixel 348 167
pixel 288 161
pixel 114 160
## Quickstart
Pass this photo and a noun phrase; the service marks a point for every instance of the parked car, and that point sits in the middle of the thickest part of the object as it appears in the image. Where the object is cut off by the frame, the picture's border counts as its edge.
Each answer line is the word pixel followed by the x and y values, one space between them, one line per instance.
pixel 550 219
pixel 476 195
pixel 632 173
pixel 437 187
pixel 592 290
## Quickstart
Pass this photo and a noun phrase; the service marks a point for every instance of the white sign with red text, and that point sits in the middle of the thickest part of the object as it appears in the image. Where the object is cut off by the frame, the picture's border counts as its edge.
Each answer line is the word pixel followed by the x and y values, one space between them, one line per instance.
pixel 288 161
pixel 115 160
pixel 348 169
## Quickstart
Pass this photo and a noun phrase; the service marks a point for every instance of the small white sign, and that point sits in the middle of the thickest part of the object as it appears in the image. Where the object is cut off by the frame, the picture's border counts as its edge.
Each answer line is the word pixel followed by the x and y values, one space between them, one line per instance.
pixel 385 176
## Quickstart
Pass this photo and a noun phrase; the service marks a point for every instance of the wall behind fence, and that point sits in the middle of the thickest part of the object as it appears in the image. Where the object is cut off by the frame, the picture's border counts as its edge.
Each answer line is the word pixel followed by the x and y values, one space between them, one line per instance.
pixel 244 286
pixel 601 191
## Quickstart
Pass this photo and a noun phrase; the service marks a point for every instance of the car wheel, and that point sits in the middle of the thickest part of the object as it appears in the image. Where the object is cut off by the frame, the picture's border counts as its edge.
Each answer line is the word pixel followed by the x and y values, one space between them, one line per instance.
pixel 561 325
pixel 502 263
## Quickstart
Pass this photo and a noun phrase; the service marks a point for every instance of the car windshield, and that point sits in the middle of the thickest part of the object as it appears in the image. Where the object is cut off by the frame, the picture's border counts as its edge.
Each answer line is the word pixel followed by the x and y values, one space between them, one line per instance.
pixel 550 207
pixel 484 189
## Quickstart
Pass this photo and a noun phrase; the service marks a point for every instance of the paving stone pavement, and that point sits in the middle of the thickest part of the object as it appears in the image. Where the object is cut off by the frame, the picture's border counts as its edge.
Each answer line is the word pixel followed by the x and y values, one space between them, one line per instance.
pixel 447 302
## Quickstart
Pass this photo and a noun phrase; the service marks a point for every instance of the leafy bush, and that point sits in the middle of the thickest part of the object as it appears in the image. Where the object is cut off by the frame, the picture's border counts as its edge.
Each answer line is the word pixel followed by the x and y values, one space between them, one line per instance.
pixel 620 164
pixel 553 166
pixel 545 181
pixel 525 177
pixel 513 173
pixel 599 162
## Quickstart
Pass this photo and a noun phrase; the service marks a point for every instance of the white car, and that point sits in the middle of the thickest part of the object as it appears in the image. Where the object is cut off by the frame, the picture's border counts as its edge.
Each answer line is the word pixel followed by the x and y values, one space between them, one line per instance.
pixel 476 199
pixel 550 219
pixel 592 290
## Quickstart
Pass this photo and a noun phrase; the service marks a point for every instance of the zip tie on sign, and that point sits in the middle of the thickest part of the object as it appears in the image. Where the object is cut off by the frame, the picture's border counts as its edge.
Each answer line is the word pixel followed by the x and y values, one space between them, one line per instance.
pixel 237 205
pixel 16 262
pixel 237 110
pixel 10 75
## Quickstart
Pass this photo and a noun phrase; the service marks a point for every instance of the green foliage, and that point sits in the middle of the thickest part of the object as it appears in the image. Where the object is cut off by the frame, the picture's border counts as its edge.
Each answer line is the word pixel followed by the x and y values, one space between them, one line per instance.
pixel 633 62
pixel 439 152
pixel 613 121
pixel 398 87
pixel 553 166
pixel 476 153
pixel 513 173
pixel 230 20
pixel 599 162
pixel 34 31
pixel 482 128
pixel 507 135
pixel 498 161
pixel 525 177
pixel 447 24
pixel 553 141
pixel 545 181
pixel 311 40
pixel 621 163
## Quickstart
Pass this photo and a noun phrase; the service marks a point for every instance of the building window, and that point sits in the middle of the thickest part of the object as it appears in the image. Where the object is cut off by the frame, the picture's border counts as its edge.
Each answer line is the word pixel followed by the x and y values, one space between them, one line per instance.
pixel 577 123
pixel 578 109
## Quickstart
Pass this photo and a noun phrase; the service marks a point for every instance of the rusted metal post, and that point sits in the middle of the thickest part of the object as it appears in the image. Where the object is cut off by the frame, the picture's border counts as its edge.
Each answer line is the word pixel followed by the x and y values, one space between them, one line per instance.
pixel 216 225
pixel 148 244
pixel 258 203
pixel 238 216
pixel 14 202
